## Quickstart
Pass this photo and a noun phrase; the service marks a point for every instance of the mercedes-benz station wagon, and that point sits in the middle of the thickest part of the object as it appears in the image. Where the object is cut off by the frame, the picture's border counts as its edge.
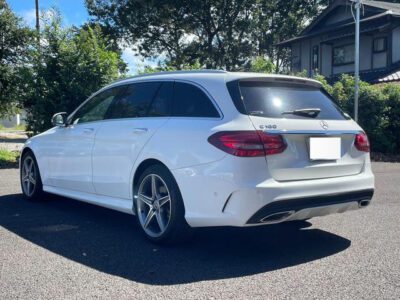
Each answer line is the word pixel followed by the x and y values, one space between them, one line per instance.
pixel 204 148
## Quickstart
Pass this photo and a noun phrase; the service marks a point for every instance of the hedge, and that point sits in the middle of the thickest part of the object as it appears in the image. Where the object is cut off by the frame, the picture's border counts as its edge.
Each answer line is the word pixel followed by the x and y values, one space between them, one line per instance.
pixel 379 110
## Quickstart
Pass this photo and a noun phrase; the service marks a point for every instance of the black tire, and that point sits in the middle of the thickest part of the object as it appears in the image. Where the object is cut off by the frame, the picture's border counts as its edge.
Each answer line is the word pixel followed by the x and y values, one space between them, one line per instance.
pixel 177 230
pixel 36 194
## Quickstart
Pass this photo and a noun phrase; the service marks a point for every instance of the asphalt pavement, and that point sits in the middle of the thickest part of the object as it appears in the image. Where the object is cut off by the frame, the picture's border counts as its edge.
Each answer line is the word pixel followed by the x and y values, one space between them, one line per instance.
pixel 61 248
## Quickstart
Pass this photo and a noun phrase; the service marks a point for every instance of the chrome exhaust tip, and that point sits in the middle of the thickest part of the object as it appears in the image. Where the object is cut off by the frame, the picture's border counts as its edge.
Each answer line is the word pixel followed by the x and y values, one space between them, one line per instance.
pixel 363 203
pixel 277 217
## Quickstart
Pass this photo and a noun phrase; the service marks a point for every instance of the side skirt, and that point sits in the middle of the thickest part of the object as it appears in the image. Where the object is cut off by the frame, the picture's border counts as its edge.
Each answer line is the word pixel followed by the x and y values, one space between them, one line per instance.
pixel 122 205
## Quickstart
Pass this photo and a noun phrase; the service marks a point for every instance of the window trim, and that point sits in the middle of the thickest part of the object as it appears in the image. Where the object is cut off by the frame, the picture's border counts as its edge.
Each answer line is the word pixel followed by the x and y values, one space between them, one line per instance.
pixel 333 57
pixel 161 80
pixel 385 44
pixel 208 95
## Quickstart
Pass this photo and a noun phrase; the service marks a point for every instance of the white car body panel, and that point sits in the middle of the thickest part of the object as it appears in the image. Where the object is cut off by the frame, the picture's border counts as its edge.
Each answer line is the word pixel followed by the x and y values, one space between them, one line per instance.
pixel 96 162
pixel 118 144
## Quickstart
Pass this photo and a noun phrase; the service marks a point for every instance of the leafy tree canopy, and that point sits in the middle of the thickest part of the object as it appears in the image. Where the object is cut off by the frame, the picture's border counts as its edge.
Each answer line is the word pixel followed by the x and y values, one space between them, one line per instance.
pixel 69 65
pixel 216 33
pixel 14 40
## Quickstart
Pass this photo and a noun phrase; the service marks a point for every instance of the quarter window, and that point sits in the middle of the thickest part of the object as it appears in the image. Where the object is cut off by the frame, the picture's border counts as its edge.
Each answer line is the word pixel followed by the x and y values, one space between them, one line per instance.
pixel 96 108
pixel 162 102
pixel 190 101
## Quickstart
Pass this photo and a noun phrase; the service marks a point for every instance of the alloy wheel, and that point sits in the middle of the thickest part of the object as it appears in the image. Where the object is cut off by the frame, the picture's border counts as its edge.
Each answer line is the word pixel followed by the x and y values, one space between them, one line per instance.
pixel 154 205
pixel 29 177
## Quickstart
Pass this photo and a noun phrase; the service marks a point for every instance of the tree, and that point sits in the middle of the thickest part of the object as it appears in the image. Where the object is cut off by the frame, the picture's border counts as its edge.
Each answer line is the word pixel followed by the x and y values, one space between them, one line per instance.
pixel 277 20
pixel 70 65
pixel 262 65
pixel 14 40
pixel 216 33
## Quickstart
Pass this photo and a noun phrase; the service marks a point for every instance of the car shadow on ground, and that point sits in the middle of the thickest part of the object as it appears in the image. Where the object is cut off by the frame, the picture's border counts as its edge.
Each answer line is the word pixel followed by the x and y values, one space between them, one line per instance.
pixel 110 242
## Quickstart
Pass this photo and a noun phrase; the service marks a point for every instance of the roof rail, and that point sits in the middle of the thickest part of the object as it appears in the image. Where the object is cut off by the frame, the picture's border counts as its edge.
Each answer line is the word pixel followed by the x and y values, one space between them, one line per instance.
pixel 204 71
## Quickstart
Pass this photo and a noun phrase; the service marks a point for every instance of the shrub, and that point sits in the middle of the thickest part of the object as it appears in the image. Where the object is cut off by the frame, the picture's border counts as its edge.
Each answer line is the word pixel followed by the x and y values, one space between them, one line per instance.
pixel 378 112
pixel 391 117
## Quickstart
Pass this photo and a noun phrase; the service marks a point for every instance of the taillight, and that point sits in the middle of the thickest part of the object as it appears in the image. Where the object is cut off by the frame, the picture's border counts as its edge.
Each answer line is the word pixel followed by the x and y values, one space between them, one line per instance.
pixel 361 142
pixel 248 143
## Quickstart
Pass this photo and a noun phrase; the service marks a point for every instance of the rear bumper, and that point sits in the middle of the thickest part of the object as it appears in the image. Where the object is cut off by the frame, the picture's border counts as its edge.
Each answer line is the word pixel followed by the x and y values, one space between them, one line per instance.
pixel 304 208
pixel 236 192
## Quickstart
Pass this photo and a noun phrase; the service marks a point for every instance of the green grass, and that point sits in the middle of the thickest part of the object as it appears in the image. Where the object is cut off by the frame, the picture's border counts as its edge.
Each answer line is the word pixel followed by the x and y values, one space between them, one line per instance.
pixel 8 158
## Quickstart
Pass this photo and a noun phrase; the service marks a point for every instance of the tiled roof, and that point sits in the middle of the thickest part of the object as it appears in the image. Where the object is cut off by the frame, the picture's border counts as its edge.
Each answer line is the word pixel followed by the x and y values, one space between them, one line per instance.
pixel 383 75
pixel 391 9
pixel 395 76
pixel 394 7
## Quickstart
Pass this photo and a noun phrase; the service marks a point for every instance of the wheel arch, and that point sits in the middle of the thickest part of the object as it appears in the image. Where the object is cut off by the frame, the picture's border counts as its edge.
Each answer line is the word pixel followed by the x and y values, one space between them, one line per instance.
pixel 26 150
pixel 143 166
pixel 140 169
pixel 23 152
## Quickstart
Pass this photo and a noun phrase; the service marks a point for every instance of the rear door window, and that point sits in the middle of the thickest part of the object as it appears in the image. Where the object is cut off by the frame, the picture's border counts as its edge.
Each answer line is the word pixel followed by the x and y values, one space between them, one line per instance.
pixel 275 100
pixel 191 101
pixel 135 101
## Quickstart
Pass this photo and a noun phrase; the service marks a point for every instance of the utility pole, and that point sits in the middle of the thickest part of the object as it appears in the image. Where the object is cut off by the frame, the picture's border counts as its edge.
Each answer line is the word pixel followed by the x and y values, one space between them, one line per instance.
pixel 357 59
pixel 37 21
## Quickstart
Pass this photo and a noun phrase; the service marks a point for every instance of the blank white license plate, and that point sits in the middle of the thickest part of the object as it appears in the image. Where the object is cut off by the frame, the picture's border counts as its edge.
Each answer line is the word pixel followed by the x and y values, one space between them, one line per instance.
pixel 326 148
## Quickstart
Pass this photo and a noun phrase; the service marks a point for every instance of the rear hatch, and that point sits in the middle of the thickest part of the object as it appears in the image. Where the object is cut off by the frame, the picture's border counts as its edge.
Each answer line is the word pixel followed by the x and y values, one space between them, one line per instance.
pixel 319 136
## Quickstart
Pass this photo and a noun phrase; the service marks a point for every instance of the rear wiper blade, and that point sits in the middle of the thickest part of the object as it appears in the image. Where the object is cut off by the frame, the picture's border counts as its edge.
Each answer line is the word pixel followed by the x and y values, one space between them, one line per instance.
pixel 306 112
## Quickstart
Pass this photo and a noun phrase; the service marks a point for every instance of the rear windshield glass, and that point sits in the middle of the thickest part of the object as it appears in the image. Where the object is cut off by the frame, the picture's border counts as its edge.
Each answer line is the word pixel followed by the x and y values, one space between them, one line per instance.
pixel 288 101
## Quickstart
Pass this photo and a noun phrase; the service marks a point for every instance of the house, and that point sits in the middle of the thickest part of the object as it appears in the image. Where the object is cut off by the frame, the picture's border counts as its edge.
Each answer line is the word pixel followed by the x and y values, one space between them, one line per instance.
pixel 326 46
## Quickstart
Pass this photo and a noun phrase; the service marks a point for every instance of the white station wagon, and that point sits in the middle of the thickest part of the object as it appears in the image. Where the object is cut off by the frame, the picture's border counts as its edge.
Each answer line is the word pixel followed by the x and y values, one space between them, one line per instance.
pixel 204 148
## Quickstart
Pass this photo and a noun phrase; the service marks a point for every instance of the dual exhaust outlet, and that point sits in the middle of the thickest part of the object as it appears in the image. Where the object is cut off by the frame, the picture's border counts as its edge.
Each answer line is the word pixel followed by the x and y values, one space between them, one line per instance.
pixel 284 215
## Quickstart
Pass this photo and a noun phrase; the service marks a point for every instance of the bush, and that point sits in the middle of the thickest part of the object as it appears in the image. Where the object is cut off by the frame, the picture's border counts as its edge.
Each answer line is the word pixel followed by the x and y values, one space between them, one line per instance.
pixel 391 117
pixel 379 110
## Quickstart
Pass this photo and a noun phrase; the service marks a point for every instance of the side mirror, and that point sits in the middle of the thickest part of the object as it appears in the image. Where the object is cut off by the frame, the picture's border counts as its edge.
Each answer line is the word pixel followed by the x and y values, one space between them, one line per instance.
pixel 59 119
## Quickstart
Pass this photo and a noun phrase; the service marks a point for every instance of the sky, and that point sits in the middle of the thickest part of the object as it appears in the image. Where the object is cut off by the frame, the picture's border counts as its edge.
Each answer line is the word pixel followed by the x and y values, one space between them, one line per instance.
pixel 75 13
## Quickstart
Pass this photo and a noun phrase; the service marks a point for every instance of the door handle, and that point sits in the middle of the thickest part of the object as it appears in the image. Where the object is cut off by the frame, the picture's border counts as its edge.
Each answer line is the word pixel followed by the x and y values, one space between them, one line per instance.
pixel 140 130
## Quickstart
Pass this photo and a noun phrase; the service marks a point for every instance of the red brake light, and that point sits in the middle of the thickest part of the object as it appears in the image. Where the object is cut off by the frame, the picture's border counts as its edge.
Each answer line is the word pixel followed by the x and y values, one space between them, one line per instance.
pixel 248 143
pixel 361 142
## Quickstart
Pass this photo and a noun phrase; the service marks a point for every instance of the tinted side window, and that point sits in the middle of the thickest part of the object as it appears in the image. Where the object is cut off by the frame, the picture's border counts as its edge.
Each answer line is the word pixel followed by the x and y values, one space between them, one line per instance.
pixel 162 102
pixel 190 101
pixel 135 101
pixel 96 108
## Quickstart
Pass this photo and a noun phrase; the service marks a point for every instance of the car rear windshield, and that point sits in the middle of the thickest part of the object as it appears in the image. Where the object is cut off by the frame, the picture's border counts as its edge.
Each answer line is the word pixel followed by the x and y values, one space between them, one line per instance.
pixel 294 101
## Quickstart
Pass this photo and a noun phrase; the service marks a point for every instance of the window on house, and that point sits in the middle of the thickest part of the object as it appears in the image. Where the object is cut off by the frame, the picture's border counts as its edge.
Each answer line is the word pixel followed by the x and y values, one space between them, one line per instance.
pixel 380 45
pixel 343 55
pixel 315 57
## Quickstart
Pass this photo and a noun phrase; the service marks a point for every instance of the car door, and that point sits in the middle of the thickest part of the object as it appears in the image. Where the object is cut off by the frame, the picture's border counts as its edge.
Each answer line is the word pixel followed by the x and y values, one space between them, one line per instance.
pixel 71 155
pixel 131 121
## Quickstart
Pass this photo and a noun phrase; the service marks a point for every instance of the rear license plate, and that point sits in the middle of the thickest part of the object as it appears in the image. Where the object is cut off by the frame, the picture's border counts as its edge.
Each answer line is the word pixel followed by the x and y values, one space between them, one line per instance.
pixel 326 148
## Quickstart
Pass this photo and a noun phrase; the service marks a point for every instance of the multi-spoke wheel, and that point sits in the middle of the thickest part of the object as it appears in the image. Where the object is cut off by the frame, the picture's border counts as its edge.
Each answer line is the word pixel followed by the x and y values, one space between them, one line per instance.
pixel 159 206
pixel 154 205
pixel 31 183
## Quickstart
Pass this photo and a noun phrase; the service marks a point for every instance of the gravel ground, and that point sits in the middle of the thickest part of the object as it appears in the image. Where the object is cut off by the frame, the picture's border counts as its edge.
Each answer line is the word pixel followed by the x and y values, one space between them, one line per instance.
pixel 61 248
